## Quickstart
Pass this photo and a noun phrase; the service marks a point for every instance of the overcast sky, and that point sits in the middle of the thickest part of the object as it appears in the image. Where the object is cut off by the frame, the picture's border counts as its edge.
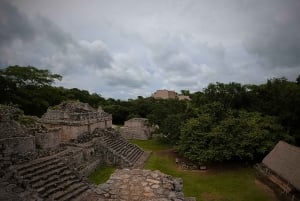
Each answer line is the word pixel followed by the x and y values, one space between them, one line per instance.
pixel 126 48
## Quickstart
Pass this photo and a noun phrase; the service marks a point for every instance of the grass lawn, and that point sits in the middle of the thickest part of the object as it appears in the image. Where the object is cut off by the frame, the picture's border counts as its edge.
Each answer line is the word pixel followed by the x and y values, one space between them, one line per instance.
pixel 151 145
pixel 228 184
pixel 101 174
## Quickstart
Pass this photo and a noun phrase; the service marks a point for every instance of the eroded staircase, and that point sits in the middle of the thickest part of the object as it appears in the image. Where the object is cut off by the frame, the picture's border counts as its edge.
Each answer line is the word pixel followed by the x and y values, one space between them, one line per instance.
pixel 51 179
pixel 131 153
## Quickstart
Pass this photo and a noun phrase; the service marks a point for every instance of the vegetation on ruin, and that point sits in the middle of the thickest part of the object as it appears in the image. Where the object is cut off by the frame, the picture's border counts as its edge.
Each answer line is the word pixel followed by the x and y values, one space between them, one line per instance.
pixel 219 183
pixel 27 120
pixel 249 118
pixel 101 174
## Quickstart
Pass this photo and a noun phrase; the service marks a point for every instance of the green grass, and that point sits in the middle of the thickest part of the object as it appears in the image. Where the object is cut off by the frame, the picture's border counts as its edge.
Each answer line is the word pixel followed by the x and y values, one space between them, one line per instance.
pixel 101 174
pixel 151 145
pixel 235 184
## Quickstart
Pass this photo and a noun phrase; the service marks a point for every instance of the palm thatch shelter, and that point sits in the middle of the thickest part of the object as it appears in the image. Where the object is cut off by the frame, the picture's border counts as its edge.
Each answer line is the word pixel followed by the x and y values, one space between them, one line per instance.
pixel 281 169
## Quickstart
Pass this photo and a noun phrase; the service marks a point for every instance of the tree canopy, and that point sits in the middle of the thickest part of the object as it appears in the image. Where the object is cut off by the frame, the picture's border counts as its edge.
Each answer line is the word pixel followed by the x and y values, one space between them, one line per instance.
pixel 29 75
pixel 222 122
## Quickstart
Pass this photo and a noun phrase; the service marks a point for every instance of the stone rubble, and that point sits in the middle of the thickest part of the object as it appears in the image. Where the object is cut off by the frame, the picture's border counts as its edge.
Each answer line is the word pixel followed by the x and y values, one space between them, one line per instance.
pixel 141 185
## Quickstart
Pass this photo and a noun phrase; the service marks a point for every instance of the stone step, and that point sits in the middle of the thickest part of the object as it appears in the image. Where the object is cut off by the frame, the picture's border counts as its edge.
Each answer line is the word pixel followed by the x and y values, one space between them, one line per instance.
pixel 35 163
pixel 40 166
pixel 119 148
pixel 42 170
pixel 54 178
pixel 129 150
pixel 61 187
pixel 141 160
pixel 116 145
pixel 137 157
pixel 124 151
pixel 75 194
pixel 47 176
pixel 136 154
pixel 58 181
pixel 60 195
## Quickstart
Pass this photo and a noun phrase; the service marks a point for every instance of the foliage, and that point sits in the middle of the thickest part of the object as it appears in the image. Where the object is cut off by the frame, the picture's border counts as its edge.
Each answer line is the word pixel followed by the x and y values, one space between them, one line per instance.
pixel 31 89
pixel 101 174
pixel 170 128
pixel 232 95
pixel 24 76
pixel 27 120
pixel 281 98
pixel 239 135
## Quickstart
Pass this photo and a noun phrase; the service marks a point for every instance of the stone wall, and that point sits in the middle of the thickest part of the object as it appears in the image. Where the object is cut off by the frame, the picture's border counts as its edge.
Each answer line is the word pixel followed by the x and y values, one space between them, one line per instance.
pixel 17 145
pixel 164 94
pixel 137 128
pixel 48 140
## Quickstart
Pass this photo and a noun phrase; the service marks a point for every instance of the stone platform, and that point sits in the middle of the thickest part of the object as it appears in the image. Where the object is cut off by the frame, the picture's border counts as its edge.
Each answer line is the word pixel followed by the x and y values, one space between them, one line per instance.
pixel 141 185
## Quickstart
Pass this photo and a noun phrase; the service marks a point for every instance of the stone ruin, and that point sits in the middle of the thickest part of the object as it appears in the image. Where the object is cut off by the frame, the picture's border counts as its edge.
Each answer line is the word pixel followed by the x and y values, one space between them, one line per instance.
pixel 49 158
pixel 137 128
pixel 75 118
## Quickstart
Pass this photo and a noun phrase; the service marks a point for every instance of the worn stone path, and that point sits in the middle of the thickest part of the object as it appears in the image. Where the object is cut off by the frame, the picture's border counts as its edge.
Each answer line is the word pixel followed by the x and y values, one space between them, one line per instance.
pixel 141 185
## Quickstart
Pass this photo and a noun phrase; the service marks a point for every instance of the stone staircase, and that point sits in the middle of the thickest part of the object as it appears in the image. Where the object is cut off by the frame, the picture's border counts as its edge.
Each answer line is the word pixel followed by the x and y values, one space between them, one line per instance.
pixel 51 179
pixel 121 147
pixel 139 164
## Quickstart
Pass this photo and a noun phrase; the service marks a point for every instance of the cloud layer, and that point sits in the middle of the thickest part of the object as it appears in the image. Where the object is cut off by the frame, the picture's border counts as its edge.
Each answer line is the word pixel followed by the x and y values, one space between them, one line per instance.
pixel 123 49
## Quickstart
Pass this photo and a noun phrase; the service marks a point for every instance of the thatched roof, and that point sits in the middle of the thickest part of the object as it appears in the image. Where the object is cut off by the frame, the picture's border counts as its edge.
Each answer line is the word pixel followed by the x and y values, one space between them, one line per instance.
pixel 284 160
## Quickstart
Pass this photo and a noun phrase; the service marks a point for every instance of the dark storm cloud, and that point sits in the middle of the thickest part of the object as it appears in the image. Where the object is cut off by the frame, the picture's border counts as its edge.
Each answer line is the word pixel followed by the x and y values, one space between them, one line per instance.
pixel 14 24
pixel 276 36
pixel 49 31
pixel 39 41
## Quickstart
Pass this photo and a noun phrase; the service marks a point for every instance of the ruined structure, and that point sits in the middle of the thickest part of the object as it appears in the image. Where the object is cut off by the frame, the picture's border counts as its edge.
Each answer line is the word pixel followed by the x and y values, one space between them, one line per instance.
pixel 137 128
pixel 49 159
pixel 280 169
pixel 166 94
pixel 75 118
pixel 23 137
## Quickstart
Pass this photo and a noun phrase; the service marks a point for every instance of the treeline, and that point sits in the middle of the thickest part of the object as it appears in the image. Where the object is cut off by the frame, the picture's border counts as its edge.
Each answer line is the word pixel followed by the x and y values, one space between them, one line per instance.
pixel 31 90
pixel 222 122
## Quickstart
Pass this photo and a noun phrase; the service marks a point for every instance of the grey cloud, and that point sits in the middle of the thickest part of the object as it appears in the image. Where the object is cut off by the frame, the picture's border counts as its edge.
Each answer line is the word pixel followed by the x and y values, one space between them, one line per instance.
pixel 276 39
pixel 127 73
pixel 163 44
pixel 14 24
pixel 48 31
pixel 95 54
pixel 120 80
pixel 38 41
pixel 185 61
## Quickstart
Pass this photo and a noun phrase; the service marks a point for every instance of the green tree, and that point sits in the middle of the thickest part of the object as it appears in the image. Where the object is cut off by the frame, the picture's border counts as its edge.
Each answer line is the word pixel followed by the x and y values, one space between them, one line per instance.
pixel 170 128
pixel 279 97
pixel 239 135
pixel 232 95
pixel 29 75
